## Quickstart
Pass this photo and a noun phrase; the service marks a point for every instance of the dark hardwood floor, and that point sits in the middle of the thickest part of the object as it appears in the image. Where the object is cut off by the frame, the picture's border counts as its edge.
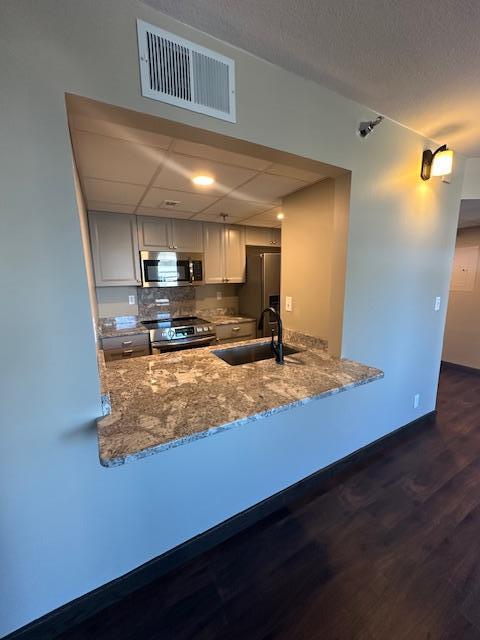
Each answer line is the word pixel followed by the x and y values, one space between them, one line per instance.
pixel 389 549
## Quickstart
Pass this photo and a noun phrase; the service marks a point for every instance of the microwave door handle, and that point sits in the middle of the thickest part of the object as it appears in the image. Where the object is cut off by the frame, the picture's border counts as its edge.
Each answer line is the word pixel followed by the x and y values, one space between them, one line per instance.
pixel 192 277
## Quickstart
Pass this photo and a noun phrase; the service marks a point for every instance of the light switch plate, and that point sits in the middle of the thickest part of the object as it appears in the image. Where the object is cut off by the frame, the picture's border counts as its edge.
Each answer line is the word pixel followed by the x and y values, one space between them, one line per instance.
pixel 219 295
pixel 416 400
pixel 131 299
pixel 438 302
pixel 288 303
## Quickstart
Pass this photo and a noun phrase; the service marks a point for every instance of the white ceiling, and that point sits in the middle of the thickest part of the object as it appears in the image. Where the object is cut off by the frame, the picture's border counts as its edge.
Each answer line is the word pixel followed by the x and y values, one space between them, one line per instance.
pixel 130 170
pixel 416 62
pixel 469 213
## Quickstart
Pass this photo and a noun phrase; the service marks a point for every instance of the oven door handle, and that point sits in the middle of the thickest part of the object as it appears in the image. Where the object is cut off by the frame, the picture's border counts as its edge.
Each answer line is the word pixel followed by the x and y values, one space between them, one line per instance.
pixel 174 343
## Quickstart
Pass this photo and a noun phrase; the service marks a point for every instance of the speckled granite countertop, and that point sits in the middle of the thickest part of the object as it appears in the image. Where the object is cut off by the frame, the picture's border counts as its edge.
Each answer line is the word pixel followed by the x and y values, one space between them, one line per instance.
pixel 230 319
pixel 128 325
pixel 120 326
pixel 166 400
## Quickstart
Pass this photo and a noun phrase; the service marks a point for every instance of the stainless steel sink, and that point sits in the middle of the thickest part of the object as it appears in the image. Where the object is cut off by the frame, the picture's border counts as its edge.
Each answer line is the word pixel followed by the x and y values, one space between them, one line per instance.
pixel 251 353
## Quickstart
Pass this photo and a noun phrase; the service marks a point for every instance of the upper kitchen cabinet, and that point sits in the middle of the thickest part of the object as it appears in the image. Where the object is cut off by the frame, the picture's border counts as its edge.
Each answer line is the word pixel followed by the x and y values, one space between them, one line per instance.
pixel 115 254
pixel 263 237
pixel 154 234
pixel 160 234
pixel 224 253
pixel 235 255
pixel 187 235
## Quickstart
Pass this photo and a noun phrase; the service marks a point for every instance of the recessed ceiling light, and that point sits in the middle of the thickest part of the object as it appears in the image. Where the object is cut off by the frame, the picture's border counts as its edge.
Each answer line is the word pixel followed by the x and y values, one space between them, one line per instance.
pixel 280 215
pixel 203 181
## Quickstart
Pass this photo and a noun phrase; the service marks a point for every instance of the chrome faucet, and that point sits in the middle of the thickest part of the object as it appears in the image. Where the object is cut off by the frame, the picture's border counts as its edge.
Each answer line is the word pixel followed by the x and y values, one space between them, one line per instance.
pixel 276 348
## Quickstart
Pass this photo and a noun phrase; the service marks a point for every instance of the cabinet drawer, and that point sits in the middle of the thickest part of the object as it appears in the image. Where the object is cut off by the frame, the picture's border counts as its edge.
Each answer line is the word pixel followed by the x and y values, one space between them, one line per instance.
pixel 135 341
pixel 125 354
pixel 241 330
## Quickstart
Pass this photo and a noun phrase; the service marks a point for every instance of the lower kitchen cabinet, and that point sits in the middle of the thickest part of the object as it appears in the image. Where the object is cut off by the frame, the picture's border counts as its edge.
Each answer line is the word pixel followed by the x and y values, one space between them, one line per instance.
pixel 234 332
pixel 126 347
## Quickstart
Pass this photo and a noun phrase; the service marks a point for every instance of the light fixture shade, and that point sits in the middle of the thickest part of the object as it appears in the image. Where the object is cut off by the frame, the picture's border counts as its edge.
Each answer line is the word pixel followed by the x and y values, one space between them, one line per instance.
pixel 442 163
pixel 203 180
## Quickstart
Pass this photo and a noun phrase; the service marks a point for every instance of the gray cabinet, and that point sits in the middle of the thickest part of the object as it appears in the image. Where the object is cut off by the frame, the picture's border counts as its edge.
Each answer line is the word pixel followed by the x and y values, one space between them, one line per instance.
pixel 235 256
pixel 233 332
pixel 125 347
pixel 153 233
pixel 214 265
pixel 159 234
pixel 225 257
pixel 263 236
pixel 115 252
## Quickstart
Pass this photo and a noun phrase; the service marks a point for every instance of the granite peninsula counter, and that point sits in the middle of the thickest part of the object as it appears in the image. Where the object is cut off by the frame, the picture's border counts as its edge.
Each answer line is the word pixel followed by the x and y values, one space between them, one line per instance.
pixel 166 400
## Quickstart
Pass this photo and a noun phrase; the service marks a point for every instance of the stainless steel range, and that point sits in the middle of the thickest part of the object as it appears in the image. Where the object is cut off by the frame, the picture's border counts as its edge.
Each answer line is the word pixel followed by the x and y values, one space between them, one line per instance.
pixel 179 333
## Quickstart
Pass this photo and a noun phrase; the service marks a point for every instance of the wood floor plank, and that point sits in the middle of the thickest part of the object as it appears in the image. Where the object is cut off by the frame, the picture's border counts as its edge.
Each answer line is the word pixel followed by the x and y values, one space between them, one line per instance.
pixel 389 548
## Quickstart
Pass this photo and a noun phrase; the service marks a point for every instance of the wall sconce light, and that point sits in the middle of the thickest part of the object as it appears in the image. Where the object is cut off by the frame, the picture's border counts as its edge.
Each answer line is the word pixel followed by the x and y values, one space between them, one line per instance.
pixel 437 163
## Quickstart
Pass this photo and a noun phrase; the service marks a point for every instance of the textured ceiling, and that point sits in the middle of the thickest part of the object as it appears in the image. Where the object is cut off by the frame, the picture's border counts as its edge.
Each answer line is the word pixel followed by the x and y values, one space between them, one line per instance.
pixel 416 62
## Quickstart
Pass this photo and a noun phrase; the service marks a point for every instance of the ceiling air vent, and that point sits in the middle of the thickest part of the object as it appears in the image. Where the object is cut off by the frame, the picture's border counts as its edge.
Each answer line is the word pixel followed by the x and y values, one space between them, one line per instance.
pixel 185 74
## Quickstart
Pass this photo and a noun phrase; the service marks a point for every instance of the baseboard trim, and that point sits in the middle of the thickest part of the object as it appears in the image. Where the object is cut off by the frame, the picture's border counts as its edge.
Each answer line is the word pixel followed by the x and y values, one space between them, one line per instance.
pixel 460 367
pixel 65 617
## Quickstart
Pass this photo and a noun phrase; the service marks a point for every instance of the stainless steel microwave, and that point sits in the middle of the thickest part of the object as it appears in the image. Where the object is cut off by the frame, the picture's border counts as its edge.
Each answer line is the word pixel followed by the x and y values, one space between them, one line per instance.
pixel 171 269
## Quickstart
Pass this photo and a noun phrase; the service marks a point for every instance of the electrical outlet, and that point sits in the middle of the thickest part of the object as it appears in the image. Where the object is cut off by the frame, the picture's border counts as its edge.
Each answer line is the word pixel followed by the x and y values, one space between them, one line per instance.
pixel 416 400
pixel 131 299
pixel 438 302
pixel 219 295
pixel 288 303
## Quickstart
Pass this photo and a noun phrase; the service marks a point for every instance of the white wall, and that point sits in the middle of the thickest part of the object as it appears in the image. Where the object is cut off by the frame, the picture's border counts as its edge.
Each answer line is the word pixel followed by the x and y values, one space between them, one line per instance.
pixel 67 524
pixel 113 301
pixel 307 256
pixel 87 252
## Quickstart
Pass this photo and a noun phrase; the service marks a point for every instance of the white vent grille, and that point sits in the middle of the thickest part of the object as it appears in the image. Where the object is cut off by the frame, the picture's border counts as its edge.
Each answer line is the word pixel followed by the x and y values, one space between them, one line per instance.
pixel 184 74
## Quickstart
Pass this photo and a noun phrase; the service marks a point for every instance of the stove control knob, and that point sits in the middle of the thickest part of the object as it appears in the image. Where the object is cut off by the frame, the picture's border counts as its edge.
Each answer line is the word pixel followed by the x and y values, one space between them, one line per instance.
pixel 199 329
pixel 210 328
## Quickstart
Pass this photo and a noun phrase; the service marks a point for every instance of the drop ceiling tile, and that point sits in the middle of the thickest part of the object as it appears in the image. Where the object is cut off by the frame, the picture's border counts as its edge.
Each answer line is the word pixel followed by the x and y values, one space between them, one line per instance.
pixel 111 159
pixel 293 172
pixel 267 218
pixel 113 130
pixel 162 213
pixel 219 155
pixel 178 171
pixel 192 202
pixel 252 222
pixel 266 188
pixel 94 205
pixel 116 192
pixel 236 207
pixel 216 217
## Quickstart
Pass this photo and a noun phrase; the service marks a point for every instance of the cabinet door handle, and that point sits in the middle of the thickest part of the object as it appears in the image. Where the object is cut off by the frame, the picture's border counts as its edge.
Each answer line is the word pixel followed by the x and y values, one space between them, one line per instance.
pixel 127 342
pixel 235 328
pixel 127 352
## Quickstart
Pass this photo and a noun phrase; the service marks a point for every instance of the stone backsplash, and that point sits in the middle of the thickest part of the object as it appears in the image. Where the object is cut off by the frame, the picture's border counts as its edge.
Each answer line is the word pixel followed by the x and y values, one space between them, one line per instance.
pixel 174 302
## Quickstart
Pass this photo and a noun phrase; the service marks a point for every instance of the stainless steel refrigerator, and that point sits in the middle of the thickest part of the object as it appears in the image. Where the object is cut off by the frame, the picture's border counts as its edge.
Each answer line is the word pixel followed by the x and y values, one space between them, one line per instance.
pixel 262 288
